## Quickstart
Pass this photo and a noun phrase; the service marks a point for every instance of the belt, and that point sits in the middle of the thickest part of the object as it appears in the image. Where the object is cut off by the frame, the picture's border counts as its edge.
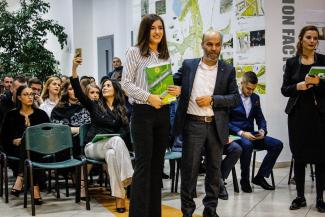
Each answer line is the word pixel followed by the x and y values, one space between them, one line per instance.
pixel 205 119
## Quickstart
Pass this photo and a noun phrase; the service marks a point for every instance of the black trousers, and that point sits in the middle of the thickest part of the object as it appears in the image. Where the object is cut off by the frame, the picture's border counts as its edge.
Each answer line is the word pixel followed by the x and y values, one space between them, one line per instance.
pixel 150 129
pixel 196 135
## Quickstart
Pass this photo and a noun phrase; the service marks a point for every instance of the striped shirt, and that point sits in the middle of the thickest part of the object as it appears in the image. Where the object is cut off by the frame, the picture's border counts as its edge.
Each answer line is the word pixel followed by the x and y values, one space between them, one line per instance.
pixel 134 79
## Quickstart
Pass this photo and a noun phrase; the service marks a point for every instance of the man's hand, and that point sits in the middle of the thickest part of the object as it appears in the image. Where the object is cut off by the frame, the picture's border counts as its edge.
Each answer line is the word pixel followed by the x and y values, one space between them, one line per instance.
pixel 248 135
pixel 174 90
pixel 204 101
pixel 16 142
pixel 303 85
pixel 155 101
pixel 260 135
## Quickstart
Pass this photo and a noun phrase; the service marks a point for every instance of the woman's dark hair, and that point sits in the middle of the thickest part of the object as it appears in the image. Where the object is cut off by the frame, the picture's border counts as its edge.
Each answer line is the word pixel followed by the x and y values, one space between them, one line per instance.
pixel 119 101
pixel 144 37
pixel 18 93
pixel 301 36
pixel 64 94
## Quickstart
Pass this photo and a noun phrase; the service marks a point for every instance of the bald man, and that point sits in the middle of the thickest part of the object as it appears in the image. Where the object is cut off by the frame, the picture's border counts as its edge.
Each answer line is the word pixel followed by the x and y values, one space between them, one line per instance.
pixel 209 90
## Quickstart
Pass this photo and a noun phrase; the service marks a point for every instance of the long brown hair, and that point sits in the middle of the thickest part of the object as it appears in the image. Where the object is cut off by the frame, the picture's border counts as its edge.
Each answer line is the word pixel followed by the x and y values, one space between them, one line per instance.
pixel 144 37
pixel 45 93
pixel 301 36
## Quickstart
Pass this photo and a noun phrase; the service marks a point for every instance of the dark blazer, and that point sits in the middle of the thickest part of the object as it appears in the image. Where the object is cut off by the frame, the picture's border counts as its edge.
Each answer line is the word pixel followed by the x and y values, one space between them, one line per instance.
pixel 238 120
pixel 291 78
pixel 225 95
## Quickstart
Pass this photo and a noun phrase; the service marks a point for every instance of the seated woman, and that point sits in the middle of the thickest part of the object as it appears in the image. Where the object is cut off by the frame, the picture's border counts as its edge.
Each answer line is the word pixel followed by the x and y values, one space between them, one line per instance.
pixel 16 121
pixel 108 116
pixel 92 91
pixel 50 94
pixel 70 112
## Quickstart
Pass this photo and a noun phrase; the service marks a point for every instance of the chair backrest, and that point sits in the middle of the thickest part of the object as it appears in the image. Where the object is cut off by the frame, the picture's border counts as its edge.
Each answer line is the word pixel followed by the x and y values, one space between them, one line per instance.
pixel 83 130
pixel 48 138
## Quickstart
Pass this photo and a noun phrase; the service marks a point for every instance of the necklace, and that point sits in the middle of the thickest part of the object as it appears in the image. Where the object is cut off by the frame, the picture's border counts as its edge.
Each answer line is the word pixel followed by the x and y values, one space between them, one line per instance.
pixel 27 120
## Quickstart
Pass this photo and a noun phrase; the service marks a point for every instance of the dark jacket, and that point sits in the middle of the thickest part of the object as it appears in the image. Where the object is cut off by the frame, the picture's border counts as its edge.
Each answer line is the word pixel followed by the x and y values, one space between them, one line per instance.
pixel 225 95
pixel 291 78
pixel 238 120
pixel 103 120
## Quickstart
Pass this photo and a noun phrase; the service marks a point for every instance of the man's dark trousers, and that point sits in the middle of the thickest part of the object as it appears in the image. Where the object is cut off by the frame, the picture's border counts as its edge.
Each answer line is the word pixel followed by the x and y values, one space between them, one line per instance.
pixel 197 134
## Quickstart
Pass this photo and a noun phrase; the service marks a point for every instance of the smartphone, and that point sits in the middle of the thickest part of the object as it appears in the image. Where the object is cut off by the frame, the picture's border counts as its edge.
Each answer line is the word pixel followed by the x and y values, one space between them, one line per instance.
pixel 256 134
pixel 78 52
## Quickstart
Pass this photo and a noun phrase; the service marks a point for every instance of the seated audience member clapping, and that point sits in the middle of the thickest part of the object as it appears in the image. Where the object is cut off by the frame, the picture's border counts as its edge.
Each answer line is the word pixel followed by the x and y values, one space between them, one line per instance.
pixel 241 123
pixel 50 94
pixel 16 121
pixel 108 116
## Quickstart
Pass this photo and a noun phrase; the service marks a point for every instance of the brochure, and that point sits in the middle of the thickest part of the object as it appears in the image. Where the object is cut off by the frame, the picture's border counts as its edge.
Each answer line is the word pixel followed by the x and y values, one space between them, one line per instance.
pixel 100 137
pixel 159 77
pixel 318 71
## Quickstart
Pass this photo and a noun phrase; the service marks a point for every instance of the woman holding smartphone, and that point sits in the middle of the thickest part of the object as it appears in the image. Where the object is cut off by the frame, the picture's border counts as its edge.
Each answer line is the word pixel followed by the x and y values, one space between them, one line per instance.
pixel 150 119
pixel 306 115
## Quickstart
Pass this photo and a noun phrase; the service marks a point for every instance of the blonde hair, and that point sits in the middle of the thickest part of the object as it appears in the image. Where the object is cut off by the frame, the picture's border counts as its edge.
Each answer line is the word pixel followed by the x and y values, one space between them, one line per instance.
pixel 45 92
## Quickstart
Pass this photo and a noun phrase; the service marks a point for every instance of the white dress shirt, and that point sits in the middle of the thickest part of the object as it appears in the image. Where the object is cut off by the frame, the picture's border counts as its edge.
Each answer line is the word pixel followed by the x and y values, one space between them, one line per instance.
pixel 204 83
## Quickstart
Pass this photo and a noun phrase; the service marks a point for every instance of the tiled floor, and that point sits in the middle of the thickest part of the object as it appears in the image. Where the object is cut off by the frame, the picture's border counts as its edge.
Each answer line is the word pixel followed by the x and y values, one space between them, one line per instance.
pixel 260 203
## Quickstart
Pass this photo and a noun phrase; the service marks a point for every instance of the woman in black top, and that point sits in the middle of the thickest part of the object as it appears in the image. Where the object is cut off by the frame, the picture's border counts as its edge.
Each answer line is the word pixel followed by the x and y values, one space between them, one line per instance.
pixel 15 123
pixel 70 112
pixel 306 114
pixel 108 116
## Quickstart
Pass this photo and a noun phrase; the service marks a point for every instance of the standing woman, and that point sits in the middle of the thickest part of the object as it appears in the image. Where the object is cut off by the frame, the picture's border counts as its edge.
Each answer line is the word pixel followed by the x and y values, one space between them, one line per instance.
pixel 306 114
pixel 150 119
pixel 50 94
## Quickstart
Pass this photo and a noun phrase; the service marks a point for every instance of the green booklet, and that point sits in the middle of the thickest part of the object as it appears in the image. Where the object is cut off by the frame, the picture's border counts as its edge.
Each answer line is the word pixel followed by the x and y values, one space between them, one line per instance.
pixel 317 71
pixel 159 77
pixel 100 137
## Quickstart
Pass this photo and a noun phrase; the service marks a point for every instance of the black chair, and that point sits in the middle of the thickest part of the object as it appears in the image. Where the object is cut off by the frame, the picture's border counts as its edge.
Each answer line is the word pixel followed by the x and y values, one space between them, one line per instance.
pixel 48 139
pixel 253 167
pixel 4 173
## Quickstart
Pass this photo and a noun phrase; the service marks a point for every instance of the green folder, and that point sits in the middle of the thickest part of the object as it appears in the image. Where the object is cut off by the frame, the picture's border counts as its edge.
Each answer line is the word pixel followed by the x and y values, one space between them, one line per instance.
pixel 100 137
pixel 317 71
pixel 159 77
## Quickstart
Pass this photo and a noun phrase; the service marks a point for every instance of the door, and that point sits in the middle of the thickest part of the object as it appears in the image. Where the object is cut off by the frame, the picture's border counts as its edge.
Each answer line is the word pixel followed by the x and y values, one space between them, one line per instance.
pixel 105 53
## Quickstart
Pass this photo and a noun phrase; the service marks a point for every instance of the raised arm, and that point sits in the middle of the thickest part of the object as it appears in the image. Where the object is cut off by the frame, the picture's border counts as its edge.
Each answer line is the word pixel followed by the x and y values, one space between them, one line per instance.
pixel 83 99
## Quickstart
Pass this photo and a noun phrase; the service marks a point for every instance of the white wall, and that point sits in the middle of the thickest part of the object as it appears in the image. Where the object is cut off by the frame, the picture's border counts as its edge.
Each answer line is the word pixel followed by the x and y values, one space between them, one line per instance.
pixel 273 103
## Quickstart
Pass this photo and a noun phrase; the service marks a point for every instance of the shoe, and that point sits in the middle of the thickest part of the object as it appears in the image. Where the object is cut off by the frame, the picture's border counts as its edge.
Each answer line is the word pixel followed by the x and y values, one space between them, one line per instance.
pixel 223 194
pixel 263 183
pixel 15 192
pixel 120 205
pixel 165 176
pixel 245 186
pixel 38 201
pixel 298 203
pixel 320 205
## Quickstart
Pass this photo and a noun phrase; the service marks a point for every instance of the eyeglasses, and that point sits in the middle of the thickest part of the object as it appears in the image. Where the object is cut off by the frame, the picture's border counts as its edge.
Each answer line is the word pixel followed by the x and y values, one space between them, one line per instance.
pixel 29 94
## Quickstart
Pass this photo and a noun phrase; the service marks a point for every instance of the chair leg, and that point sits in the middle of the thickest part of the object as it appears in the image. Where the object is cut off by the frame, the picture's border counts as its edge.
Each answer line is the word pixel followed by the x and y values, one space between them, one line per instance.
pixel 290 172
pixel 49 189
pixel 253 166
pixel 25 185
pixel 272 178
pixel 31 181
pixel 57 187
pixel 178 168
pixel 78 184
pixel 84 166
pixel 66 186
pixel 172 174
pixel 1 176
pixel 5 166
pixel 312 172
pixel 235 181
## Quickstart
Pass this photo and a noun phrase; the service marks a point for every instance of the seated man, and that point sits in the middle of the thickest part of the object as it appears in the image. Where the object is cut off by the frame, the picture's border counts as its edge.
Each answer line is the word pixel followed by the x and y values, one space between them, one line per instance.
pixel 241 122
